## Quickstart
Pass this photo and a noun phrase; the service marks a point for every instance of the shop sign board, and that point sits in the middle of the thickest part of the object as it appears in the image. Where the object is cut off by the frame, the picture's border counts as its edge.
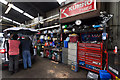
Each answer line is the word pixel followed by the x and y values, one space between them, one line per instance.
pixel 81 7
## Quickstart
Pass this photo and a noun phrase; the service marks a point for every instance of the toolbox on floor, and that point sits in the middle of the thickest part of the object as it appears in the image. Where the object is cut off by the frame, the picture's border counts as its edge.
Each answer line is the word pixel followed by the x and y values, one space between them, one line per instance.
pixel 104 75
pixel 92 76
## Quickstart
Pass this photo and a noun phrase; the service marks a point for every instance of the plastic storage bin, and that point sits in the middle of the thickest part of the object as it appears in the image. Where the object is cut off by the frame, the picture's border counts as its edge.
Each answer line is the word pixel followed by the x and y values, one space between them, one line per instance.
pixel 65 44
pixel 104 75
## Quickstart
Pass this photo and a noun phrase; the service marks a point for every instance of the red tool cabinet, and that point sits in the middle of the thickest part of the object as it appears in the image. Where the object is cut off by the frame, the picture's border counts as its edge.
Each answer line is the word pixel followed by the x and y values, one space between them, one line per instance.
pixel 90 56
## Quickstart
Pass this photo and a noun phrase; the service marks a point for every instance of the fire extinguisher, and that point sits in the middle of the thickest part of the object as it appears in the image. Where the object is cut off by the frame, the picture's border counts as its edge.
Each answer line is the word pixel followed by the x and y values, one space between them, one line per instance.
pixel 61 37
pixel 115 51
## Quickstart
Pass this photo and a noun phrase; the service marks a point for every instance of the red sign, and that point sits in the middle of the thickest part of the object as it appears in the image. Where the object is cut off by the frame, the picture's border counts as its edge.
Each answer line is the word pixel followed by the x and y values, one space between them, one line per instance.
pixel 78 8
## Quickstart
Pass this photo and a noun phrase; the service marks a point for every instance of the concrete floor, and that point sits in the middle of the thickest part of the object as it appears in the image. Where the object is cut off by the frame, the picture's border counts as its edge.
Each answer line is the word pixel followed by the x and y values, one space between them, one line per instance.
pixel 45 68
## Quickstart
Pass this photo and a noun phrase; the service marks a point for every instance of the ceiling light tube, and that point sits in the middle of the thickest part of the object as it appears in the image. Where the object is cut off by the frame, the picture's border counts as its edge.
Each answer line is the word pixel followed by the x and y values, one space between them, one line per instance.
pixel 60 1
pixel 1 16
pixel 4 2
pixel 16 22
pixel 26 14
pixel 15 8
pixel 8 9
pixel 0 20
pixel 10 20
pixel 6 18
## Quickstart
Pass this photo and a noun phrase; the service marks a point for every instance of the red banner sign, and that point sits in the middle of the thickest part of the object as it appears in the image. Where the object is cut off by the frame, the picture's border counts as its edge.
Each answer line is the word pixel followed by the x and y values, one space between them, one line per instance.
pixel 78 8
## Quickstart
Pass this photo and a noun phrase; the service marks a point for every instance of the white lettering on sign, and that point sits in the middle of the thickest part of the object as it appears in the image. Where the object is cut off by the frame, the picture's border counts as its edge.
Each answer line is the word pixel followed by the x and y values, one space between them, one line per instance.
pixel 86 3
pixel 86 8
pixel 115 71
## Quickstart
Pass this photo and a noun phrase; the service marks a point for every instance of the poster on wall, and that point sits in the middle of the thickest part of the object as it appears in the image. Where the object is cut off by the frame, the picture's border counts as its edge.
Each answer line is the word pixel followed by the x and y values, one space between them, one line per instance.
pixel 81 7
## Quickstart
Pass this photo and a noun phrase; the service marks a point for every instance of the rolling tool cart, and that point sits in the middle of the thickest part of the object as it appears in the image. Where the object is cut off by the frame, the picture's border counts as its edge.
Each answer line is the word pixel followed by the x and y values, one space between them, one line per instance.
pixel 90 56
pixel 91 49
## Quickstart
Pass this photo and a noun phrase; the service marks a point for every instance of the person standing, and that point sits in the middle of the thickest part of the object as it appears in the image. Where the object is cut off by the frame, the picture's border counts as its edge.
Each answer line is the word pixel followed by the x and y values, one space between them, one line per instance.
pixel 26 46
pixel 13 53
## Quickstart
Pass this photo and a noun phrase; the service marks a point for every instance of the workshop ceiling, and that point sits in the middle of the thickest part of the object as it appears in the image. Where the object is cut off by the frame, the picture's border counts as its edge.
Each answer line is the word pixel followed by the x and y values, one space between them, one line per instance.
pixel 33 8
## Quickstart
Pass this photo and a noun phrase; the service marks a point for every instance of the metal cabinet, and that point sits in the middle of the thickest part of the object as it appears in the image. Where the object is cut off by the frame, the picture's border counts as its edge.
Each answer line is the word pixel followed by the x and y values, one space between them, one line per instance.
pixel 72 53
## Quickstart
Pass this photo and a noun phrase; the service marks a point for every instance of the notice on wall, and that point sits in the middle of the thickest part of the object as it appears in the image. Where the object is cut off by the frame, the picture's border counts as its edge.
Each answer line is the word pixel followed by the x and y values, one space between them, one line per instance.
pixel 81 7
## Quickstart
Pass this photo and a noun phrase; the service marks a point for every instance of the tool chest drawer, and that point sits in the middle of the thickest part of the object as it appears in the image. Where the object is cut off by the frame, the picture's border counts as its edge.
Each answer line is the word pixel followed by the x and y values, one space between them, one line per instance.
pixel 93 59
pixel 81 44
pixel 81 58
pixel 94 64
pixel 82 48
pixel 80 52
pixel 93 49
pixel 93 55
pixel 93 45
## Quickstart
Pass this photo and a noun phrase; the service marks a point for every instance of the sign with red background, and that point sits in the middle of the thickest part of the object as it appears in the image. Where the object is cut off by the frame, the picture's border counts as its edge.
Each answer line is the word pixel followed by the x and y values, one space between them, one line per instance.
pixel 78 8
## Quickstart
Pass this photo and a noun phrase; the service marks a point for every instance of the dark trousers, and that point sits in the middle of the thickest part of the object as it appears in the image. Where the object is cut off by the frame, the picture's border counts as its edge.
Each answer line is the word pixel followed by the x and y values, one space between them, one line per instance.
pixel 13 62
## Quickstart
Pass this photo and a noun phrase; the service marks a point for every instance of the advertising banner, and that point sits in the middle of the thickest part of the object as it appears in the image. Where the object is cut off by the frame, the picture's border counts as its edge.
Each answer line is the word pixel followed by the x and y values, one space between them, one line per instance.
pixel 81 7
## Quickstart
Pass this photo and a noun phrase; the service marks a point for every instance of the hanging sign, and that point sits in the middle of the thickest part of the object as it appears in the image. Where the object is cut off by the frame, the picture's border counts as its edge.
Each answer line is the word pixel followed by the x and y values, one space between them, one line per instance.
pixel 81 7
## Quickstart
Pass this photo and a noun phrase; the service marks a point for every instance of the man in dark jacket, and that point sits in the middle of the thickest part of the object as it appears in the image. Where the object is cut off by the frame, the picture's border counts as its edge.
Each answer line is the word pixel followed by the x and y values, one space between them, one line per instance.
pixel 26 46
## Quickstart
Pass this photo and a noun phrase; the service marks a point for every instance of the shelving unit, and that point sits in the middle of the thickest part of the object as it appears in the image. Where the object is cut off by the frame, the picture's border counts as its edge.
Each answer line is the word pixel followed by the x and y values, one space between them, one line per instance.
pixel 50 51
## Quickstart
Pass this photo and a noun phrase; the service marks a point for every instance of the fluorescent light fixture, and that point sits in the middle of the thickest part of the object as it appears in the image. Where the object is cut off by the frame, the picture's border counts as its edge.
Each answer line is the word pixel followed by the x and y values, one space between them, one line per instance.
pixel 60 1
pixel 8 9
pixel 0 20
pixel 10 20
pixel 1 16
pixel 7 18
pixel 26 14
pixel 16 22
pixel 4 2
pixel 15 8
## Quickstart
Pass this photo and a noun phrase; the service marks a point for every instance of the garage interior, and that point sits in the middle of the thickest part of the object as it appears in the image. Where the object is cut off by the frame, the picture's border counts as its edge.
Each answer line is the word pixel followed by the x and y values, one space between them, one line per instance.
pixel 70 44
